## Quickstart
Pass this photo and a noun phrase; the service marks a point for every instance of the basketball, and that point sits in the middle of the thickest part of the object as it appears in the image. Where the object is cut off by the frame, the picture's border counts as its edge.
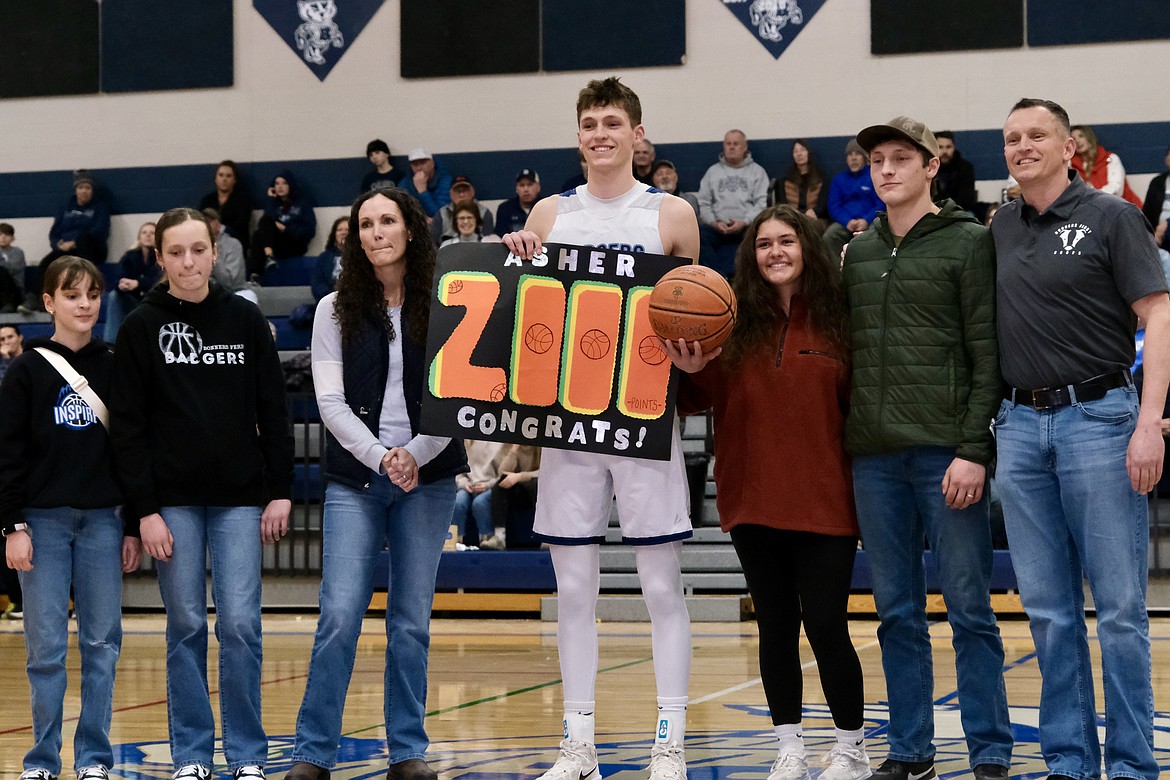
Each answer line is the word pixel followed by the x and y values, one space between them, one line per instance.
pixel 498 393
pixel 538 338
pixel 695 303
pixel 650 352
pixel 594 344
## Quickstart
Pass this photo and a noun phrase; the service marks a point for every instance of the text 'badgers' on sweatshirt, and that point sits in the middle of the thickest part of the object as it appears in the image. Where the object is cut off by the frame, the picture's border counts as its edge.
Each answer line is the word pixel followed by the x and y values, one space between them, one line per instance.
pixel 198 413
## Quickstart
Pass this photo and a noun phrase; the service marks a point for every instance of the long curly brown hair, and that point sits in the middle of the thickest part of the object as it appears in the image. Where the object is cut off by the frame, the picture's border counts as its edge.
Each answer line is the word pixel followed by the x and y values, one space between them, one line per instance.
pixel 759 302
pixel 361 297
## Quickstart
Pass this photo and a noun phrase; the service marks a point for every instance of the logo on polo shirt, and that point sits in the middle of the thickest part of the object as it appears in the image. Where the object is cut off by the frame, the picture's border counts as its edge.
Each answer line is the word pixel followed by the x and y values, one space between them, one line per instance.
pixel 1070 236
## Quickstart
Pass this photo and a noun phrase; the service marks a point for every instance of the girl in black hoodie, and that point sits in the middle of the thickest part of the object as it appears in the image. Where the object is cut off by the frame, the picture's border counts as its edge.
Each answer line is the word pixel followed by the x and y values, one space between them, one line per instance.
pixel 205 457
pixel 59 510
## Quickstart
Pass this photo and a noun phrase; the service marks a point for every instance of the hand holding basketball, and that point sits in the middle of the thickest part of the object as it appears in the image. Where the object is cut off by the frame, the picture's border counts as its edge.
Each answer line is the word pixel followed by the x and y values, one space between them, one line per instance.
pixel 692 359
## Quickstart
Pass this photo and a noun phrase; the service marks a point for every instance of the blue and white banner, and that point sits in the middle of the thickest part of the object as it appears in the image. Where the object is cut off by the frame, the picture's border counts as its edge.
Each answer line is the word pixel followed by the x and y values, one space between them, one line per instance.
pixel 319 31
pixel 775 23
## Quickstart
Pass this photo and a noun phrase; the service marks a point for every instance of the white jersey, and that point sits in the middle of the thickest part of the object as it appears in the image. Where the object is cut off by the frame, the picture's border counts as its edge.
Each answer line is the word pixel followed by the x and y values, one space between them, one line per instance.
pixel 628 223
pixel 576 488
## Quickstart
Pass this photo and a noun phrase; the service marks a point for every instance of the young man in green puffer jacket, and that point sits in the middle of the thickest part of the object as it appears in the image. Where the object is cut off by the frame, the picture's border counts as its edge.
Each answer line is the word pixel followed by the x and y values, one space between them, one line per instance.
pixel 926 383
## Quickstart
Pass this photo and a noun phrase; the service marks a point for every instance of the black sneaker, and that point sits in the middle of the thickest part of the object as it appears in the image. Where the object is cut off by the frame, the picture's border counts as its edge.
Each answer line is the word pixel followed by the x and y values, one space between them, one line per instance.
pixel 893 769
pixel 37 774
pixel 990 772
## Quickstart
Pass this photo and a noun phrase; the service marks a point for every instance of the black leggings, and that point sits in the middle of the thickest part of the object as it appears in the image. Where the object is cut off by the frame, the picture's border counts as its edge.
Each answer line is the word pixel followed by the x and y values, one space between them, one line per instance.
pixel 795 576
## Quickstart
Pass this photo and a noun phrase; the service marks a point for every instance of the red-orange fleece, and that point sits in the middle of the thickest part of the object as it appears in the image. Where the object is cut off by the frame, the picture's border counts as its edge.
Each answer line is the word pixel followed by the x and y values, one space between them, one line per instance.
pixel 779 426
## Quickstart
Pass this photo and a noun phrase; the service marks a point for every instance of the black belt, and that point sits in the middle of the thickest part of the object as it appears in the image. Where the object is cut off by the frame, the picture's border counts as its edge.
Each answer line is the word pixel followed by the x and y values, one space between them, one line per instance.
pixel 1054 397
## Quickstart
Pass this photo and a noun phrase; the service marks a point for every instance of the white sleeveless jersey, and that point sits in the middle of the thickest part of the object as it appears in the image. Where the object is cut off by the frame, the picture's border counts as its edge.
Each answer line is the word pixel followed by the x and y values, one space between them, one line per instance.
pixel 628 223
pixel 576 489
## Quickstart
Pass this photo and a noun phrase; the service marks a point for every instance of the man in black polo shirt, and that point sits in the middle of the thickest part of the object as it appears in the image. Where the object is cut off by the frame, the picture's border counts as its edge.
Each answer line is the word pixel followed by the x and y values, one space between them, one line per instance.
pixel 1076 456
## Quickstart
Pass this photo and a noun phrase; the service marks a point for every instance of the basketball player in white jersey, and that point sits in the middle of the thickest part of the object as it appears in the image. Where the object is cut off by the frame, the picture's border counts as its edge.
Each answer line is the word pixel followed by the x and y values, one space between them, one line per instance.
pixel 572 508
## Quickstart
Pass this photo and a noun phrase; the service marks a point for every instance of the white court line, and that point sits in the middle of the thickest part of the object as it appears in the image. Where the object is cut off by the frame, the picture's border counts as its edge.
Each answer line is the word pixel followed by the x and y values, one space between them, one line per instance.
pixel 758 680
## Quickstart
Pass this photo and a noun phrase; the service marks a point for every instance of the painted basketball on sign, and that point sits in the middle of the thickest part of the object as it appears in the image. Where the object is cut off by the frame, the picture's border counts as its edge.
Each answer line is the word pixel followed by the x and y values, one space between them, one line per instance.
pixel 539 338
pixel 594 344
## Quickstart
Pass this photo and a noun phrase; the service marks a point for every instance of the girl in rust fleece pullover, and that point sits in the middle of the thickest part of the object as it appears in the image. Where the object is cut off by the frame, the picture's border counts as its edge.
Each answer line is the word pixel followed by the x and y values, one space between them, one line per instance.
pixel 779 390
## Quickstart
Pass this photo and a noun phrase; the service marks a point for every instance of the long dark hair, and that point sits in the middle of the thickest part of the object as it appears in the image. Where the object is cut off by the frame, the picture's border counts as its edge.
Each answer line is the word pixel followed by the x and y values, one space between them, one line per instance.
pixel 361 299
pixel 331 241
pixel 759 302
pixel 813 177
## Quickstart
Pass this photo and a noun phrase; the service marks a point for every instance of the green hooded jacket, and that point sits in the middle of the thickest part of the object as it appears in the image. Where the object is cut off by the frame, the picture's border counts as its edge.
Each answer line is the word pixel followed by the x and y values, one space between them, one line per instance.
pixel 925 362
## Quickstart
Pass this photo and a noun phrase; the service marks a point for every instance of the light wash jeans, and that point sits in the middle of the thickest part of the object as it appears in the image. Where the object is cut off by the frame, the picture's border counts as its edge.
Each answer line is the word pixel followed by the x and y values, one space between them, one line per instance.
pixel 1072 513
pixel 82 548
pixel 357 525
pixel 899 504
pixel 232 537
pixel 477 507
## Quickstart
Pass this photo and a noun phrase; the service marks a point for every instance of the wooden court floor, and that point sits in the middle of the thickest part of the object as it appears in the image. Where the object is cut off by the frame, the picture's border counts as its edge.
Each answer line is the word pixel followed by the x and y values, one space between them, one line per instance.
pixel 494 704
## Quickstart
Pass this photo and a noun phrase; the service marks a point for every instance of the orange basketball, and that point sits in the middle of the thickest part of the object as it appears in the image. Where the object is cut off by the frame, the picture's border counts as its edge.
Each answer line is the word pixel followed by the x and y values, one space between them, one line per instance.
pixel 695 303
pixel 594 344
pixel 538 338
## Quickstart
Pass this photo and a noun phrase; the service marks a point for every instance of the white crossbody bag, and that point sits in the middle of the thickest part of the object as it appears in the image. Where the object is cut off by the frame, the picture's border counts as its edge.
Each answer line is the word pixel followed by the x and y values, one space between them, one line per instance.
pixel 79 384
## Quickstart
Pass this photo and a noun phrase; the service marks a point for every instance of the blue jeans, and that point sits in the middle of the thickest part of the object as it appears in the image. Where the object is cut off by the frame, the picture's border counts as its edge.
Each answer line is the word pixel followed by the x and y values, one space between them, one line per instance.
pixel 1072 513
pixel 82 547
pixel 478 506
pixel 357 525
pixel 232 536
pixel 899 503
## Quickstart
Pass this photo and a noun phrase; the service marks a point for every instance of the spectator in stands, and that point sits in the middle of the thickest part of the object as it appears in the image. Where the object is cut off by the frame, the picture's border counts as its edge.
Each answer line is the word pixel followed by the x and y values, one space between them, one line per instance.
pixel 803 186
pixel 473 494
pixel 926 384
pixel 989 215
pixel 468 219
pixel 231 201
pixel 1100 168
pixel 328 266
pixel 287 226
pixel 11 270
pixel 513 213
pixel 794 528
pixel 203 452
pixel 852 201
pixel 230 271
pixel 956 176
pixel 576 181
pixel 732 192
pixel 644 161
pixel 378 153
pixel 59 513
pixel 11 346
pixel 664 176
pixel 81 228
pixel 388 485
pixel 514 497
pixel 428 181
pixel 140 271
pixel 1156 206
pixel 462 191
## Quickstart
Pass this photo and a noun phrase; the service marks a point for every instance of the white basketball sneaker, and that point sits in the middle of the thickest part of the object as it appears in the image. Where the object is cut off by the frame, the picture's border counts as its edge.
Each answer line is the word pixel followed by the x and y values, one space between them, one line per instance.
pixel 845 762
pixel 668 762
pixel 789 766
pixel 576 761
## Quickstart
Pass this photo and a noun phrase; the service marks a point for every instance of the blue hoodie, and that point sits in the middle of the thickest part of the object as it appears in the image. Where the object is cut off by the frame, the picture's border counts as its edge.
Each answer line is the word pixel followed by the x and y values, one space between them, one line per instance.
pixel 438 191
pixel 852 196
pixel 73 220
pixel 296 213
